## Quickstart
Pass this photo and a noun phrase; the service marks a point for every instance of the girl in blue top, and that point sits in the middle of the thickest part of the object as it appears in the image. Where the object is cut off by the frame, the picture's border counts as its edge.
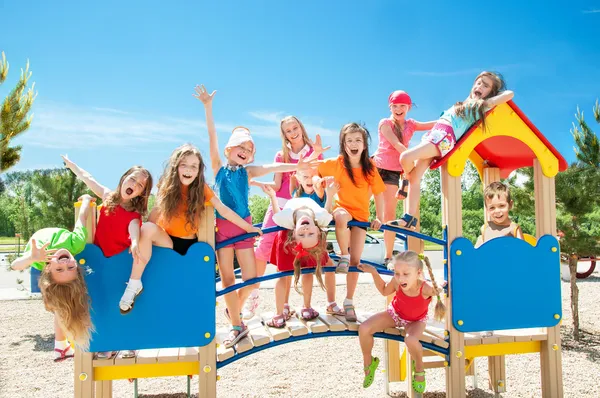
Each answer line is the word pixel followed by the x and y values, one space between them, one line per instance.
pixel 232 186
pixel 308 184
pixel 487 92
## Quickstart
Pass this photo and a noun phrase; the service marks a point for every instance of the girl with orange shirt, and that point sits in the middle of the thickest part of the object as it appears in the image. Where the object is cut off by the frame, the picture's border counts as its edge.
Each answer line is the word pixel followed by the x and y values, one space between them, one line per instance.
pixel 173 222
pixel 358 179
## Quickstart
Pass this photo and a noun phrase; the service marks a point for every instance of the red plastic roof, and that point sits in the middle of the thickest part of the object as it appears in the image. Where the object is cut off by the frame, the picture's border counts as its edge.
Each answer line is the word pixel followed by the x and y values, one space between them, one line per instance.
pixel 507 153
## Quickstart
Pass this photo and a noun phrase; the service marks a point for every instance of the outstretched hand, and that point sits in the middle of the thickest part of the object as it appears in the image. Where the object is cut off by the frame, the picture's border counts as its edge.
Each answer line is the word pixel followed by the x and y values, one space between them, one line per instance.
pixel 41 254
pixel 255 230
pixel 331 186
pixel 317 145
pixel 203 95
pixel 67 161
pixel 303 164
pixel 85 197
pixel 366 268
pixel 134 249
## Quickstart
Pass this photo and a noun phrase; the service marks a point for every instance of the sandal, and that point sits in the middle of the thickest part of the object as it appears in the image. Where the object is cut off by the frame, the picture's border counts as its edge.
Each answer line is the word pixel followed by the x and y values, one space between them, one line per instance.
pixel 418 386
pixel 409 221
pixel 402 192
pixel 235 334
pixel 333 309
pixel 342 266
pixel 287 312
pixel 128 354
pixel 369 377
pixel 104 355
pixel 350 312
pixel 63 354
pixel 277 322
pixel 308 314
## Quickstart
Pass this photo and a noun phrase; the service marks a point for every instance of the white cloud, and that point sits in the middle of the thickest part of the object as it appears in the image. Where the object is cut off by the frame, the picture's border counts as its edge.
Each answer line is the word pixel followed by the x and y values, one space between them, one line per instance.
pixel 273 119
pixel 468 71
pixel 591 11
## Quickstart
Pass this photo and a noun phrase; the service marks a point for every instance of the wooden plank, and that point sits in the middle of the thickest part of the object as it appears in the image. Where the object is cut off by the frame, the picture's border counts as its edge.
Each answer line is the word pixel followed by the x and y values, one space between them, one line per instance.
pixel 244 345
pixel 167 355
pixel 207 376
pixel 489 340
pixel 394 331
pixel 189 354
pixel 223 353
pixel 334 324
pixel 96 362
pixel 103 389
pixel 441 343
pixel 315 325
pixel 84 374
pixel 296 326
pixel 147 356
pixel 353 326
pixel 258 333
pixel 119 360
pixel 276 334
pixel 472 339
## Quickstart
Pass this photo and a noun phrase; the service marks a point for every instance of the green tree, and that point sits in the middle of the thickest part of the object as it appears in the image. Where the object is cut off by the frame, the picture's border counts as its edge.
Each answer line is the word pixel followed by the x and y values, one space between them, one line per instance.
pixel 258 208
pixel 587 148
pixel 13 115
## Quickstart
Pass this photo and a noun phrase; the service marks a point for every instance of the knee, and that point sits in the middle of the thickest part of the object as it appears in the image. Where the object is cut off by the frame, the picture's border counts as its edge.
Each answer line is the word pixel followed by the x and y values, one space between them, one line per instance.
pixel 411 341
pixel 404 157
pixel 341 219
pixel 364 329
pixel 227 279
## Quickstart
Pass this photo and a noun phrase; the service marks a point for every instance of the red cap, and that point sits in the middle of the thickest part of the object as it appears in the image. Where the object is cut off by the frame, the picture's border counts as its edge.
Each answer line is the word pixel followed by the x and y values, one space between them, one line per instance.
pixel 399 97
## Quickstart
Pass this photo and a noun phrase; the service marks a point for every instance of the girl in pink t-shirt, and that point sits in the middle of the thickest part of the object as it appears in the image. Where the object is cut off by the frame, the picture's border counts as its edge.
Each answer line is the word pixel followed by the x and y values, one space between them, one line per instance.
pixel 394 133
pixel 295 143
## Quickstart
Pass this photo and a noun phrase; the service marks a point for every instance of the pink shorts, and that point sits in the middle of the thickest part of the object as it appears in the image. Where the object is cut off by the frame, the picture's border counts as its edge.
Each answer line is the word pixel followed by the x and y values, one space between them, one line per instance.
pixel 265 242
pixel 400 323
pixel 442 136
pixel 227 230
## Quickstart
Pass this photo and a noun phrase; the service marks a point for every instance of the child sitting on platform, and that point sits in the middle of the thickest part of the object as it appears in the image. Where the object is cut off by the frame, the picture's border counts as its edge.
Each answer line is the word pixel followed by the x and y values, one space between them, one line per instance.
pixel 301 245
pixel 407 310
pixel 498 204
pixel 51 251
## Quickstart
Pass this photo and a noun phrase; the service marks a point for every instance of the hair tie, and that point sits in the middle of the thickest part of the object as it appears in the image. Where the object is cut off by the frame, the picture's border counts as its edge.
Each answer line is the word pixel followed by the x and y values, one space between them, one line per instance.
pixel 422 256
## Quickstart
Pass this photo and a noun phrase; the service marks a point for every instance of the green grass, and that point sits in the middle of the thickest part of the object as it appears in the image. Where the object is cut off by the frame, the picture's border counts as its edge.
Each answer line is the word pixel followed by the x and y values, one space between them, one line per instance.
pixel 10 249
pixel 9 240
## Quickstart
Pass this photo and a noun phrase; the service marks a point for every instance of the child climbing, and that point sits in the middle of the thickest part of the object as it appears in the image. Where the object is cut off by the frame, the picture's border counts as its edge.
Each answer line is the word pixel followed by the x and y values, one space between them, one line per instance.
pixel 408 310
pixel 295 144
pixel 122 209
pixel 301 245
pixel 358 179
pixel 498 205
pixel 487 92
pixel 232 185
pixel 173 222
pixel 51 251
pixel 394 133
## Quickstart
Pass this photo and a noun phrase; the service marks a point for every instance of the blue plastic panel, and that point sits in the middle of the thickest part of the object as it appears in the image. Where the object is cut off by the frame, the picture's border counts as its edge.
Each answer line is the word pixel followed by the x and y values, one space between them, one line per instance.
pixel 505 284
pixel 176 308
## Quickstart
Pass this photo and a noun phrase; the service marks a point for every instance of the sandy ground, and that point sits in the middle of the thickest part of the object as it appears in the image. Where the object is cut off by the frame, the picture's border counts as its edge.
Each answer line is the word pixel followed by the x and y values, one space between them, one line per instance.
pixel 316 368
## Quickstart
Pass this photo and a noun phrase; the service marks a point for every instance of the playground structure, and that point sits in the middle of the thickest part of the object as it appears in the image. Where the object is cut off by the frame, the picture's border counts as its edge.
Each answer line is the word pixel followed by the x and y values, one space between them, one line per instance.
pixel 523 323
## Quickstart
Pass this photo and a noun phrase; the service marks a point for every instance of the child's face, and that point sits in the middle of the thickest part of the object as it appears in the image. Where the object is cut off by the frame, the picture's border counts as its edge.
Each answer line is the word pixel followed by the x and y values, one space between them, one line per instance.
pixel 293 132
pixel 399 111
pixel 498 208
pixel 188 168
pixel 306 232
pixel 241 154
pixel 305 178
pixel 133 185
pixel 62 266
pixel 482 88
pixel 354 144
pixel 406 275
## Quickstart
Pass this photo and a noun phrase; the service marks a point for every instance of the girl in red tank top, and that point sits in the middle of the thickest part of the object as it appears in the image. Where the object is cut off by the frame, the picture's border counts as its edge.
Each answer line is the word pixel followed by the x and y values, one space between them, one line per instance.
pixel 407 310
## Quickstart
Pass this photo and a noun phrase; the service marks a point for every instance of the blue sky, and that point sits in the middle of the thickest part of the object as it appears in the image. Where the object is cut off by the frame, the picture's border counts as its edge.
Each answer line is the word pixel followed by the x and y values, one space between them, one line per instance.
pixel 115 79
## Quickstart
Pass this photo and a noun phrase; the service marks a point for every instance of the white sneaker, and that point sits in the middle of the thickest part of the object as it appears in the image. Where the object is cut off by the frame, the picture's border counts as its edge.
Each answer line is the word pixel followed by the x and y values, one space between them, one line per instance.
pixel 128 299
pixel 251 305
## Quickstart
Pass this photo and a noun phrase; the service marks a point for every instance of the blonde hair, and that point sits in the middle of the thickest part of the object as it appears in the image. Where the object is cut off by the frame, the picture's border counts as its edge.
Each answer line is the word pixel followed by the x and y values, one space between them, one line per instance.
pixel 70 303
pixel 170 191
pixel 139 203
pixel 496 188
pixel 315 252
pixel 284 141
pixel 476 110
pixel 415 260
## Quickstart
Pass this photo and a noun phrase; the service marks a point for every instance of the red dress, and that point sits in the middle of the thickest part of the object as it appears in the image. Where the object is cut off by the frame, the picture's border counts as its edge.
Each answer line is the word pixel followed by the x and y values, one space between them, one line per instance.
pixel 409 308
pixel 283 255
pixel 112 232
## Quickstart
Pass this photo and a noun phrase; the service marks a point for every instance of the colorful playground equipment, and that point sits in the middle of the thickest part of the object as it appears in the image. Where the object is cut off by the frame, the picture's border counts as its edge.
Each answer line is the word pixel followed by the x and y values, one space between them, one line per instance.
pixel 484 290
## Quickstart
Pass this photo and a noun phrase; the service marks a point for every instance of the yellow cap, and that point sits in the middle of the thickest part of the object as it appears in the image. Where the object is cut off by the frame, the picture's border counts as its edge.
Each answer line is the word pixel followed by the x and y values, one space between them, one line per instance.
pixel 206 369
pixel 206 258
pixel 207 335
pixel 82 261
pixel 460 323
pixel 458 252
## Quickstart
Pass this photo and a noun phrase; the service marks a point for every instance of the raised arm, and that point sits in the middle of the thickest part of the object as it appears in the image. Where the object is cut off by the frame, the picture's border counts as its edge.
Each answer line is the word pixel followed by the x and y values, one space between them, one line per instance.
pixel 36 254
pixel 98 189
pixel 501 98
pixel 257 171
pixel 385 288
pixel 206 98
pixel 268 189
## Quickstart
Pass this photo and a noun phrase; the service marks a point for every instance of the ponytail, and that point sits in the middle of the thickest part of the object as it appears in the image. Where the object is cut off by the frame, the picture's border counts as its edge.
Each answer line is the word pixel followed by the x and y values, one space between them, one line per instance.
pixel 440 308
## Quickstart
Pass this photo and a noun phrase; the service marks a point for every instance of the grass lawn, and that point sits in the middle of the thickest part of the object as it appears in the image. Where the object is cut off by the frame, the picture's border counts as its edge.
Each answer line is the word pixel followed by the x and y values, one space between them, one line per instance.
pixel 9 240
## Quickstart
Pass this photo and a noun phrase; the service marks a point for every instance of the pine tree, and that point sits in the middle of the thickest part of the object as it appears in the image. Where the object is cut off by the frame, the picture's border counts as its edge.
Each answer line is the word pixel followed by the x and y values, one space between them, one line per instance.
pixel 587 147
pixel 13 115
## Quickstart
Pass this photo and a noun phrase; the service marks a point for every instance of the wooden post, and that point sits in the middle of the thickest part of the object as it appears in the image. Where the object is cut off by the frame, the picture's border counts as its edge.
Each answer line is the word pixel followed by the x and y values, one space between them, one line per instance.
pixel 84 370
pixel 452 218
pixel 207 377
pixel 545 216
